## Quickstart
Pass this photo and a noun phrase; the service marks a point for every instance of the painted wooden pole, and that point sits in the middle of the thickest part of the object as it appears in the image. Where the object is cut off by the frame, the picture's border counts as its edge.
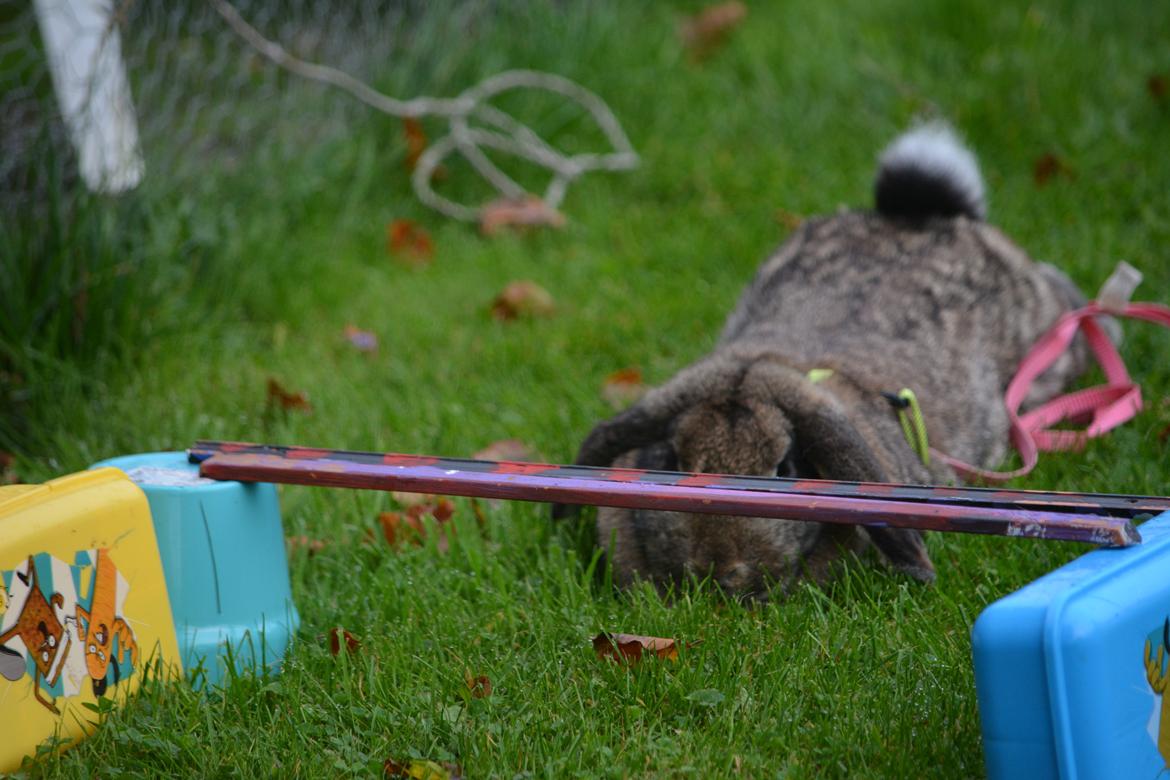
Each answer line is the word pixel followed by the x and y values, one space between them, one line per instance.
pixel 819 500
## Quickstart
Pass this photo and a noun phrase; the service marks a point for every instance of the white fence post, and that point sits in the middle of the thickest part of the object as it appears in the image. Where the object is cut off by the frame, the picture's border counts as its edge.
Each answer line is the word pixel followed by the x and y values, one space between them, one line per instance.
pixel 85 60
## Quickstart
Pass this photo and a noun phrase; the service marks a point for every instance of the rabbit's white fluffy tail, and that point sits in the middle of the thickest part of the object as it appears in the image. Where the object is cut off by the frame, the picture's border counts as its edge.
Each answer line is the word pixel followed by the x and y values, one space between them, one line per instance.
pixel 927 172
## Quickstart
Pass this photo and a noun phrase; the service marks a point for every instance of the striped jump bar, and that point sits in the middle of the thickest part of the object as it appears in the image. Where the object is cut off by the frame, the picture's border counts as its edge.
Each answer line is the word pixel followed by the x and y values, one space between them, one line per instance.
pixel 1095 518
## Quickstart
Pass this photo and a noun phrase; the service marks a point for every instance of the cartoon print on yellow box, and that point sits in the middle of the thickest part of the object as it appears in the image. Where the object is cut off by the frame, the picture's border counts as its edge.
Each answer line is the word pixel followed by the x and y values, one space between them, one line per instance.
pixel 11 662
pixel 103 623
pixel 34 627
pixel 1158 675
pixel 48 628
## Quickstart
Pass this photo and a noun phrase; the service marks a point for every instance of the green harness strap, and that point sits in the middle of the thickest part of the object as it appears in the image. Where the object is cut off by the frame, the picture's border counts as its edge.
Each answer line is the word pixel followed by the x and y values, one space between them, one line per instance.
pixel 909 414
pixel 913 426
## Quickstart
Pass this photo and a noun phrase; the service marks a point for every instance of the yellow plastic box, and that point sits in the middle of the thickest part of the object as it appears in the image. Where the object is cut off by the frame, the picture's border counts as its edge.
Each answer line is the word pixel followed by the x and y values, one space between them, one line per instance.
pixel 83 605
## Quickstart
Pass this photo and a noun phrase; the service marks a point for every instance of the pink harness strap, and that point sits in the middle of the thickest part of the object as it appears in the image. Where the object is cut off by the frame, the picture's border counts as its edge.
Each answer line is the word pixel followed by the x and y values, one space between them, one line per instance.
pixel 1099 408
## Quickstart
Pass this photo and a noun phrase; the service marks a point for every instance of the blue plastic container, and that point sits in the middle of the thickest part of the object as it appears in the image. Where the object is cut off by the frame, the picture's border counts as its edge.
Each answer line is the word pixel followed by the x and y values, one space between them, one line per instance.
pixel 1072 671
pixel 223 555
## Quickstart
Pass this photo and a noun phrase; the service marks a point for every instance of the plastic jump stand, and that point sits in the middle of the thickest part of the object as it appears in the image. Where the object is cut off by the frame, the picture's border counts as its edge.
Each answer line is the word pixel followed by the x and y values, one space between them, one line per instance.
pixel 84 614
pixel 1073 670
pixel 223 555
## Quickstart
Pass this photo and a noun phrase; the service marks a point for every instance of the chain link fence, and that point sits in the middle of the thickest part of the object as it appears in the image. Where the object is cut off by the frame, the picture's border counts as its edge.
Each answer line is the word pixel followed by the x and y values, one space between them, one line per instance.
pixel 137 135
pixel 89 249
pixel 199 99
pixel 192 87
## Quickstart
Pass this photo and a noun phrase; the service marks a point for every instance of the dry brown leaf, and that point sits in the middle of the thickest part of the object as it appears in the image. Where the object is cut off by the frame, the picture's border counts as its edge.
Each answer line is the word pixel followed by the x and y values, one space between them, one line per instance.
pixel 313 546
pixel 788 219
pixel 707 30
pixel 629 648
pixel 622 388
pixel 527 212
pixel 289 401
pixel 416 141
pixel 397 527
pixel 443 510
pixel 410 526
pixel 1047 167
pixel 422 770
pixel 523 299
pixel 1159 86
pixel 505 449
pixel 480 686
pixel 7 474
pixel 412 499
pixel 418 511
pixel 480 515
pixel 336 635
pixel 362 340
pixel 409 243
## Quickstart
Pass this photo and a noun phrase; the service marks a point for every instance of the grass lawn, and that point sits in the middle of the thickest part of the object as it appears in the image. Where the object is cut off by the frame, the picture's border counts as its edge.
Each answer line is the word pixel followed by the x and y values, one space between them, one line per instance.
pixel 253 269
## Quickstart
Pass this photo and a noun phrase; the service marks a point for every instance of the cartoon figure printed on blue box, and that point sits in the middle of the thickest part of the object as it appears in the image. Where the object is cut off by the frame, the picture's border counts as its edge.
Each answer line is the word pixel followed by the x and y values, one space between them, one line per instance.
pixel 62 625
pixel 1158 675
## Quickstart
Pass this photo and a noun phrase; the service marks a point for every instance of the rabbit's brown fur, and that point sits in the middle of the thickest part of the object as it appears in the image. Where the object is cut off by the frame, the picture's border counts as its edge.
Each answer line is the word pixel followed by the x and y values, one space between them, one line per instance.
pixel 920 294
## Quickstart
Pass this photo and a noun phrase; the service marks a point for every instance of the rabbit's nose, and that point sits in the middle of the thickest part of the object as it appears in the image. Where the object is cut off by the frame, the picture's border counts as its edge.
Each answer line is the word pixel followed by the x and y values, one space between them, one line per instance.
pixel 735 576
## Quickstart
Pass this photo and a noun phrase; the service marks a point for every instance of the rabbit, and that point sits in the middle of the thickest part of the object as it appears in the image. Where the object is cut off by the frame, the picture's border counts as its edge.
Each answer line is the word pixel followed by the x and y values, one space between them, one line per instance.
pixel 921 293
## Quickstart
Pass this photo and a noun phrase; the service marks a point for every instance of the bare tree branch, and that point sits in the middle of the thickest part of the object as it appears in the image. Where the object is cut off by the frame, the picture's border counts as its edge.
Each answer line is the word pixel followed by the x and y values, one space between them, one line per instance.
pixel 509 135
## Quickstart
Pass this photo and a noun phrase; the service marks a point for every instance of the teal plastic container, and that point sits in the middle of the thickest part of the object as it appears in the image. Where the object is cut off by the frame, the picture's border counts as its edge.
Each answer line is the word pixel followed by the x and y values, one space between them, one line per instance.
pixel 223 556
pixel 1072 671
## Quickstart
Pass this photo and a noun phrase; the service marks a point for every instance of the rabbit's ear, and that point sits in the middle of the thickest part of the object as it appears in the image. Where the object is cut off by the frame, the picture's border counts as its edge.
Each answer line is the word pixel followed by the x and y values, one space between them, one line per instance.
pixel 642 424
pixel 647 421
pixel 830 441
pixel 905 550
pixel 658 456
pixel 827 438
